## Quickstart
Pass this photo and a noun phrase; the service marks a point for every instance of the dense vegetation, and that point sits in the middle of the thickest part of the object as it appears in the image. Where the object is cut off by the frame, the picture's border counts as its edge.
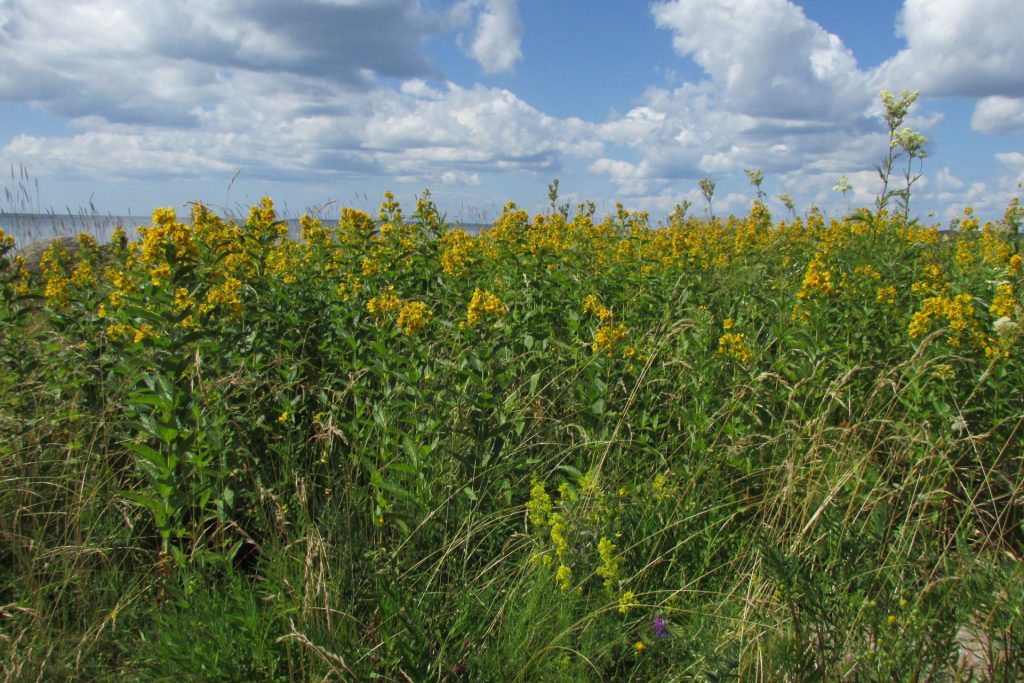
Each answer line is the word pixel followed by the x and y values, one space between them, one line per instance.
pixel 567 448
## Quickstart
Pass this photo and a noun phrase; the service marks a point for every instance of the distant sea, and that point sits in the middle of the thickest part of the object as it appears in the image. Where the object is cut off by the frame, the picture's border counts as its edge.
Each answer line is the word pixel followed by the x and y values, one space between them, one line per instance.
pixel 30 227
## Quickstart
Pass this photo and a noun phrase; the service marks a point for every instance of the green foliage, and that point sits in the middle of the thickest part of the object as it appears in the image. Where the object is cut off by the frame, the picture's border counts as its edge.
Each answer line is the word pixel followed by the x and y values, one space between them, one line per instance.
pixel 567 449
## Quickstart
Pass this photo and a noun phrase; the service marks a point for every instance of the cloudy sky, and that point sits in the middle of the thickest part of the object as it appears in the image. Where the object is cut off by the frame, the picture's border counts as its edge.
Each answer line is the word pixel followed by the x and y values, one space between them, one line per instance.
pixel 132 105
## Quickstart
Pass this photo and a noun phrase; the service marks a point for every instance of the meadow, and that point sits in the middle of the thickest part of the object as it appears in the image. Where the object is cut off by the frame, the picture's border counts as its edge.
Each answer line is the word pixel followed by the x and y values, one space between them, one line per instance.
pixel 567 448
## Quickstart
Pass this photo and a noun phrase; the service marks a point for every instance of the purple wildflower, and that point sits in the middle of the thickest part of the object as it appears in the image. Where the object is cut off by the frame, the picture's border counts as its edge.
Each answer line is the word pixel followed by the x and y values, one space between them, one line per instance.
pixel 660 629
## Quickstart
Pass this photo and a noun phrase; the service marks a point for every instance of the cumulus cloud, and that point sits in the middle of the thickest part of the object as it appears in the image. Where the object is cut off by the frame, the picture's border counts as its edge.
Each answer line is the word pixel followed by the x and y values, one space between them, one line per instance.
pixel 1013 162
pixel 946 181
pixel 497 40
pixel 999 114
pixel 417 132
pixel 963 48
pixel 959 48
pixel 459 178
pixel 182 88
pixel 154 61
pixel 765 57
pixel 781 94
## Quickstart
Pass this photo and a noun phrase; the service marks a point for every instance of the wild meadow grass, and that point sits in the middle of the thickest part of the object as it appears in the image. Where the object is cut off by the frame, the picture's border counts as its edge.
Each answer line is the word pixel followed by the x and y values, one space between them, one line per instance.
pixel 569 448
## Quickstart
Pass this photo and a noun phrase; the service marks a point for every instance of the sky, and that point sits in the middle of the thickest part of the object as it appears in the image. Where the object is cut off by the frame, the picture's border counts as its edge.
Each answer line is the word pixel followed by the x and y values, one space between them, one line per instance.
pixel 122 107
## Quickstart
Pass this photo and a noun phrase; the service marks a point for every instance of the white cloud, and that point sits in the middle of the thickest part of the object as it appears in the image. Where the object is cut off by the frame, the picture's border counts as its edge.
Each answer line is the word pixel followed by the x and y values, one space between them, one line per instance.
pixel 170 88
pixel 497 41
pixel 458 178
pixel 154 61
pixel 765 57
pixel 946 181
pixel 416 132
pixel 1013 162
pixel 999 114
pixel 782 95
pixel 959 48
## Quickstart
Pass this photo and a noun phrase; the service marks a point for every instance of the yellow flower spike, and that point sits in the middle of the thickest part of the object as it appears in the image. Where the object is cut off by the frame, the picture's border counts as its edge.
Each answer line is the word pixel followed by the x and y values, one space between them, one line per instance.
pixel 734 345
pixel 563 575
pixel 626 602
pixel 384 303
pixel 483 304
pixel 413 316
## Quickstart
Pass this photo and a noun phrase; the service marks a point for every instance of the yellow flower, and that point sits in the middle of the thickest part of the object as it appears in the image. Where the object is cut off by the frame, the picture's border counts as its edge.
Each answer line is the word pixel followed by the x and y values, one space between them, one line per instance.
pixel 182 300
pixel 563 575
pixel 144 331
pixel 413 316
pixel 593 305
pixel 384 303
pixel 1004 303
pixel 639 646
pixel 1014 266
pixel 606 337
pixel 483 304
pixel 539 506
pixel 886 295
pixel 283 417
pixel 610 562
pixel 734 344
pixel 626 601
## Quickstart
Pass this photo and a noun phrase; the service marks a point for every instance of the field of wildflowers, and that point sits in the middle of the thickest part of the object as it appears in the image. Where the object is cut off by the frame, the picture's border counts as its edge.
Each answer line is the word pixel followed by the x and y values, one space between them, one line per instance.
pixel 568 448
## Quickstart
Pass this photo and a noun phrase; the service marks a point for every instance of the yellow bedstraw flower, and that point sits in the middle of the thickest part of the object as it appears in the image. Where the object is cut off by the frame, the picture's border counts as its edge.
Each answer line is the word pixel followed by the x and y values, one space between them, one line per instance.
pixel 626 602
pixel 610 562
pixel 539 507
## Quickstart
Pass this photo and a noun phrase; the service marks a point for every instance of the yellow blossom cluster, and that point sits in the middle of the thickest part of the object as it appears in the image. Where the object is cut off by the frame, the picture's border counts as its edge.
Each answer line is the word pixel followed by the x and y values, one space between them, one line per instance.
pixel 608 337
pixel 956 312
pixel 456 252
pixel 734 345
pixel 413 316
pixel 384 303
pixel 817 279
pixel 226 294
pixel 1004 303
pixel 593 305
pixel 483 305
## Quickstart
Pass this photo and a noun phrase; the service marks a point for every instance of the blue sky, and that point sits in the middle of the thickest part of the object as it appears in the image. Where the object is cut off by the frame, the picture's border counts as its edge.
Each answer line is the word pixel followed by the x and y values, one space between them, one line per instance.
pixel 129 106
